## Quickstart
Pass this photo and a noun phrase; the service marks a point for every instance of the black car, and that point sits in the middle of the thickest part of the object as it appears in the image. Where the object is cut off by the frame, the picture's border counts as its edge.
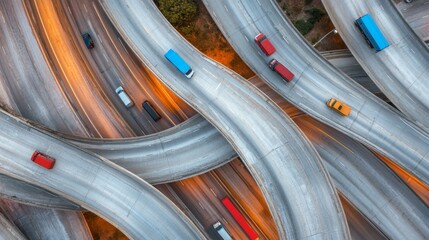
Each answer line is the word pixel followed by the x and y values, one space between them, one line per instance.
pixel 151 110
pixel 88 40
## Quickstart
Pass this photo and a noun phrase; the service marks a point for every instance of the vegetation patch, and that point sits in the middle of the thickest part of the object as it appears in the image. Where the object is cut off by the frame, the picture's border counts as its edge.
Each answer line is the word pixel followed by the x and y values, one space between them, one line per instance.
pixel 303 26
pixel 180 13
pixel 313 16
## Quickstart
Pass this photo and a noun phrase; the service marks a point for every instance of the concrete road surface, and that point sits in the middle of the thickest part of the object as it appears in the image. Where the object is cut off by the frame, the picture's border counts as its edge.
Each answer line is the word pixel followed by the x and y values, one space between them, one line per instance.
pixel 8 231
pixel 416 14
pixel 23 192
pixel 375 190
pixel 400 70
pixel 186 150
pixel 128 202
pixel 46 224
pixel 263 136
pixel 371 121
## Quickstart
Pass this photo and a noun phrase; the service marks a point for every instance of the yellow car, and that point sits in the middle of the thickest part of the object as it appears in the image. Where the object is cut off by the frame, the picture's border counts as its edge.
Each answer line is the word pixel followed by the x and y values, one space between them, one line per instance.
pixel 339 107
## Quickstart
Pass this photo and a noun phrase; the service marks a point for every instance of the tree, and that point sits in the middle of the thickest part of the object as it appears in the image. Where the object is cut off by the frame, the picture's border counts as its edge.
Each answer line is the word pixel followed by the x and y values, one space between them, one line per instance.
pixel 178 12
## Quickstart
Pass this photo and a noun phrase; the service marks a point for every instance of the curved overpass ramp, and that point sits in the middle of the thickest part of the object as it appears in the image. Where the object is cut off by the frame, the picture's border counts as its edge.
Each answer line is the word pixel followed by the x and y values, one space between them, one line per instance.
pixel 400 70
pixel 371 121
pixel 8 231
pixel 26 193
pixel 375 190
pixel 415 14
pixel 41 223
pixel 127 202
pixel 183 151
pixel 267 141
pixel 363 179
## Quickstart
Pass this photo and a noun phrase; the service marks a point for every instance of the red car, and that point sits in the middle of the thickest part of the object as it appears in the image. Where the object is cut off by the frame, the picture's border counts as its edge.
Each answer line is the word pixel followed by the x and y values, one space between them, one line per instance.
pixel 43 160
pixel 264 43
pixel 281 70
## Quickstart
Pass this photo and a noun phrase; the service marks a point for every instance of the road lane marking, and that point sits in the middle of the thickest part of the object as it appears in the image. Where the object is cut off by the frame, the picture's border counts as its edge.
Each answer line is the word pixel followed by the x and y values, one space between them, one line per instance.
pixel 218 86
pixel 209 72
pixel 246 37
pixel 105 57
pixel 211 189
pixel 284 38
pixel 99 38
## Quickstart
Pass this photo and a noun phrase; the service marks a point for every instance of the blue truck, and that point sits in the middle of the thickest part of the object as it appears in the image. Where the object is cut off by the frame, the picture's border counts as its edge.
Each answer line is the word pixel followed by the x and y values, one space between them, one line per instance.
pixel 179 63
pixel 371 32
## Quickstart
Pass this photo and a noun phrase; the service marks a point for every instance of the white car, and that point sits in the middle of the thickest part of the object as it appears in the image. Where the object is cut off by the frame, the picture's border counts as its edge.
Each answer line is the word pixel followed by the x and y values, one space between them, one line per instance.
pixel 124 97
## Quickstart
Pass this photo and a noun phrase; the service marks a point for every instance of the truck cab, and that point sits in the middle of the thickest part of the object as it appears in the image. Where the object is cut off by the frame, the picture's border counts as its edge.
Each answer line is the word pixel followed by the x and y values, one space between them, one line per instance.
pixel 281 70
pixel 265 44
pixel 220 232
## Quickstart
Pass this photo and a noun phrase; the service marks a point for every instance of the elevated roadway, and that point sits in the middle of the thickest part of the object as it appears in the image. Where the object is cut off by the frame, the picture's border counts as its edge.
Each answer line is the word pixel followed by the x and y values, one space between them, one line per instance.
pixel 186 150
pixel 399 70
pixel 416 14
pixel 26 193
pixel 263 136
pixel 88 180
pixel 132 150
pixel 368 184
pixel 372 122
pixel 8 231
pixel 365 181
pixel 46 224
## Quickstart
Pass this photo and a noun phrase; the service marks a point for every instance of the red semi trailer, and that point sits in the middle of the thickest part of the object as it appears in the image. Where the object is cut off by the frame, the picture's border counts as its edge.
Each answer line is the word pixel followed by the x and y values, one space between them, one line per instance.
pixel 281 70
pixel 239 218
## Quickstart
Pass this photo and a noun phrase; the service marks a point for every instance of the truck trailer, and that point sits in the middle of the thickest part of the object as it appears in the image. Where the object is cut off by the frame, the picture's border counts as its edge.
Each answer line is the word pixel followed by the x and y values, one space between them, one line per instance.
pixel 179 63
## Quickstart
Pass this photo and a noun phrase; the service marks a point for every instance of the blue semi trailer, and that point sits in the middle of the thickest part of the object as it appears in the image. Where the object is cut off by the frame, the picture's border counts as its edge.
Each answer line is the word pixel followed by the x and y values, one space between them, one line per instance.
pixel 179 63
pixel 371 32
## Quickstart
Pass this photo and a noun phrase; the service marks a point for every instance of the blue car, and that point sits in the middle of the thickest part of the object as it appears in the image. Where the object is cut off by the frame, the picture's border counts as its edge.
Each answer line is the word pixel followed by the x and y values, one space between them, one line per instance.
pixel 88 40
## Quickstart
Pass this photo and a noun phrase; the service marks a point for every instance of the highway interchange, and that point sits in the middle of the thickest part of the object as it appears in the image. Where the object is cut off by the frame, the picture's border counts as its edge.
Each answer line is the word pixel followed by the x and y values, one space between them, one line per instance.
pixel 214 151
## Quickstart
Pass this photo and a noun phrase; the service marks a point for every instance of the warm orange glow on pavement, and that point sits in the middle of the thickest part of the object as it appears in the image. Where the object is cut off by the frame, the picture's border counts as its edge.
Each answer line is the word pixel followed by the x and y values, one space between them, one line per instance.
pixel 415 184
pixel 54 36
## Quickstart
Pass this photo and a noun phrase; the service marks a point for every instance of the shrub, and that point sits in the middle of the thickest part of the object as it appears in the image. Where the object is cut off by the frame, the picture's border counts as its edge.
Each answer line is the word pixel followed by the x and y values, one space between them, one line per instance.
pixel 307 2
pixel 303 26
pixel 315 15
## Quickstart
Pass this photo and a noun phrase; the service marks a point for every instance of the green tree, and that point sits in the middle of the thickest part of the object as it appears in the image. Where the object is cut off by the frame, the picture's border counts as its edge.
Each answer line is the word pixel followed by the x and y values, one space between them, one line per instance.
pixel 178 12
pixel 307 2
pixel 315 15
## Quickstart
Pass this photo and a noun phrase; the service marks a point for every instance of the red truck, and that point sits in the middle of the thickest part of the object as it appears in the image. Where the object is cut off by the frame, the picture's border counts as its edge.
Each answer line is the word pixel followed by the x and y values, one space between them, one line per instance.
pixel 281 70
pixel 264 43
pixel 43 160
